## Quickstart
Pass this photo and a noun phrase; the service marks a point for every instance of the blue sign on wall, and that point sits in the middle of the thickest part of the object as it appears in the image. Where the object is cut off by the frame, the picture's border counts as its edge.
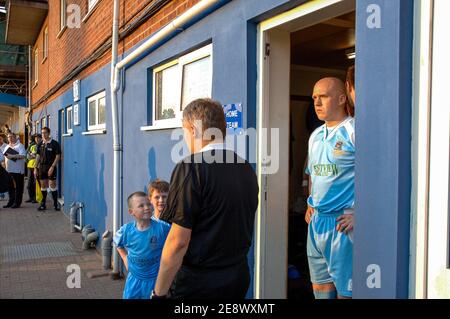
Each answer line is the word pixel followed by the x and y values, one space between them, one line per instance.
pixel 233 117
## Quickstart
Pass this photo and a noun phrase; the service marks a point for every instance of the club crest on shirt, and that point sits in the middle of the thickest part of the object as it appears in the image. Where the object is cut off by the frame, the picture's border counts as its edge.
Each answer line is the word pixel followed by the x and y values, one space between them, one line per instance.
pixel 338 148
pixel 153 241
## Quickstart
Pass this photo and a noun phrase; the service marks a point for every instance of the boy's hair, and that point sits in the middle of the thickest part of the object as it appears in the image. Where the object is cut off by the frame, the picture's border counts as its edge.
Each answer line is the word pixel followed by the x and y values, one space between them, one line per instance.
pixel 135 194
pixel 158 185
pixel 45 128
pixel 209 112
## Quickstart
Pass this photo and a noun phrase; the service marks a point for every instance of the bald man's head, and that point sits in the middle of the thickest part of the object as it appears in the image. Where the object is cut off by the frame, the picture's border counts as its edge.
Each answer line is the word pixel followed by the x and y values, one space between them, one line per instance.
pixel 335 85
pixel 330 99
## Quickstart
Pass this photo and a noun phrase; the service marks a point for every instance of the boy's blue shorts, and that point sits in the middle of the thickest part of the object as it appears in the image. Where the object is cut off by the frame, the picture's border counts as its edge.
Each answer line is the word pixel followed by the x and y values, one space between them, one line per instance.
pixel 330 253
pixel 137 288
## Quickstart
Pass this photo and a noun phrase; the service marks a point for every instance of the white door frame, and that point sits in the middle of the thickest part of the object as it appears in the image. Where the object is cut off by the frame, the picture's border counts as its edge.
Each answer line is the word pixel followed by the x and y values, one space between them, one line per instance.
pixel 421 119
pixel 270 280
pixel 438 274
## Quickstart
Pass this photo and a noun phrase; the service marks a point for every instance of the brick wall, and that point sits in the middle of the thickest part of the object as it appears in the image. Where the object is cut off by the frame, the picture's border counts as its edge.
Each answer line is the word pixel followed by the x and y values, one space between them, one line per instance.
pixel 69 48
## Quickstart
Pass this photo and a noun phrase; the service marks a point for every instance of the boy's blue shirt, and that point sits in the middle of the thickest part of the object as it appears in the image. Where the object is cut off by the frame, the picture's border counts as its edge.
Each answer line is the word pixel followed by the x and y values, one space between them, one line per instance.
pixel 144 247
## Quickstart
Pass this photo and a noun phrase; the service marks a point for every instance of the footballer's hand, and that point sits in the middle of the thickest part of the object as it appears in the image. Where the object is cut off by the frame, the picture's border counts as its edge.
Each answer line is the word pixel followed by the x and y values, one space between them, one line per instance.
pixel 345 223
pixel 309 213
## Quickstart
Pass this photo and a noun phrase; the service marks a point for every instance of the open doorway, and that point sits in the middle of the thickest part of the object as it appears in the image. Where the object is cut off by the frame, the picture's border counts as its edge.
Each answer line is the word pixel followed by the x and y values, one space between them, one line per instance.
pixel 322 50
pixel 297 48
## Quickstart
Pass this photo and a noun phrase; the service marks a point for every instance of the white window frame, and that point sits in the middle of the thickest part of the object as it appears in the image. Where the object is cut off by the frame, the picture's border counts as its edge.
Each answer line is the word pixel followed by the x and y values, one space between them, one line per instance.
pixel 36 66
pixel 91 4
pixel 36 127
pixel 69 121
pixel 96 98
pixel 63 15
pixel 194 56
pixel 45 44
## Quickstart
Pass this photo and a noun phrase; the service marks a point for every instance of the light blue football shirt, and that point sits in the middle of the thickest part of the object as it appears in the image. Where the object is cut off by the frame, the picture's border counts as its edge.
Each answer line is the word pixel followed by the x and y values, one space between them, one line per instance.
pixel 144 247
pixel 331 166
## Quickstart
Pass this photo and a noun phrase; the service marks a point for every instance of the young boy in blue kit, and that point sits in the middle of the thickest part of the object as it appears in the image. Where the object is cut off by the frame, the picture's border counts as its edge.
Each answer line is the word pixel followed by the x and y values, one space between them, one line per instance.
pixel 140 245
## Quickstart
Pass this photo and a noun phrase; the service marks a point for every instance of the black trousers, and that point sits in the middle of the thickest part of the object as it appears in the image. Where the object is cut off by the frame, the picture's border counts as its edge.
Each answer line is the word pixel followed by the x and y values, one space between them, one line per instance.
pixel 16 189
pixel 224 283
pixel 31 186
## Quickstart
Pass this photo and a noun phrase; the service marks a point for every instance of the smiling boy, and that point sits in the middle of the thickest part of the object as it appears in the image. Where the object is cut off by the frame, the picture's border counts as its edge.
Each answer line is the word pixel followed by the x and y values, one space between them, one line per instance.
pixel 157 194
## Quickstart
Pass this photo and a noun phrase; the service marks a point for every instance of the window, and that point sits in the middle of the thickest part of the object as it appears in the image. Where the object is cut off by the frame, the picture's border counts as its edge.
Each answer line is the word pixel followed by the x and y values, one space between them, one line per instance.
pixel 48 121
pixel 63 14
pixel 91 4
pixel 37 129
pixel 69 121
pixel 179 82
pixel 96 112
pixel 45 44
pixel 36 66
pixel 62 119
pixel 43 122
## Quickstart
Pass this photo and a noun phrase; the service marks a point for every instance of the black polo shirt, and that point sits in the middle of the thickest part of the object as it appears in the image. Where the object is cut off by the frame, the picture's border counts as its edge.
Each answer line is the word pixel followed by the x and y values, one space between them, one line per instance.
pixel 217 201
pixel 47 152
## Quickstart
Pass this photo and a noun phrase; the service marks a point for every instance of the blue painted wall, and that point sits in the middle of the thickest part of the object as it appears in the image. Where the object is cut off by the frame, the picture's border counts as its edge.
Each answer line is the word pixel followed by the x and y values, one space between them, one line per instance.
pixel 383 138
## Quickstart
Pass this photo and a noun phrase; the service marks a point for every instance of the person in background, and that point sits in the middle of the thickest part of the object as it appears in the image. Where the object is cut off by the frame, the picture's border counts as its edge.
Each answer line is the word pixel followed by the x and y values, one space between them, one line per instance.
pixel 48 156
pixel 31 164
pixel 351 94
pixel 3 146
pixel 15 165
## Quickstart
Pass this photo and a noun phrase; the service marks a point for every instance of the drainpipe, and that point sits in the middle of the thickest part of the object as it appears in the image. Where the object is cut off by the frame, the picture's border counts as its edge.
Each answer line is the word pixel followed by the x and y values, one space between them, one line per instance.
pixel 116 134
pixel 189 16
pixel 29 123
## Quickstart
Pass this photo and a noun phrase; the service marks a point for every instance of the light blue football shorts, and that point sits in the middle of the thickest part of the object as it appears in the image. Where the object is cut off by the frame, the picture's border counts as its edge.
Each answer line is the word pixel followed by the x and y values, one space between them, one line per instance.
pixel 330 253
pixel 136 288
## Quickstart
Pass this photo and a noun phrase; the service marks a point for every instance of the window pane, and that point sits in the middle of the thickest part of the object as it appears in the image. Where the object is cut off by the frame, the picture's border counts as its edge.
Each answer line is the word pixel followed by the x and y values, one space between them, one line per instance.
pixel 196 81
pixel 91 3
pixel 167 96
pixel 45 42
pixel 101 111
pixel 92 113
pixel 36 64
pixel 69 119
pixel 63 120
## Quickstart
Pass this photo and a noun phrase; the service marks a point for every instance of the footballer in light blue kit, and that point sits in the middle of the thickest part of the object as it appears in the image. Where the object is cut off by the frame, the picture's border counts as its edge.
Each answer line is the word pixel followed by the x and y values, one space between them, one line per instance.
pixel 331 167
pixel 140 245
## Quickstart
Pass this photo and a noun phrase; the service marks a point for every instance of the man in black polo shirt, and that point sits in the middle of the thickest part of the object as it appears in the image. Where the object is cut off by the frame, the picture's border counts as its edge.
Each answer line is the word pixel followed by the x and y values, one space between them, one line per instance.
pixel 212 202
pixel 48 156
